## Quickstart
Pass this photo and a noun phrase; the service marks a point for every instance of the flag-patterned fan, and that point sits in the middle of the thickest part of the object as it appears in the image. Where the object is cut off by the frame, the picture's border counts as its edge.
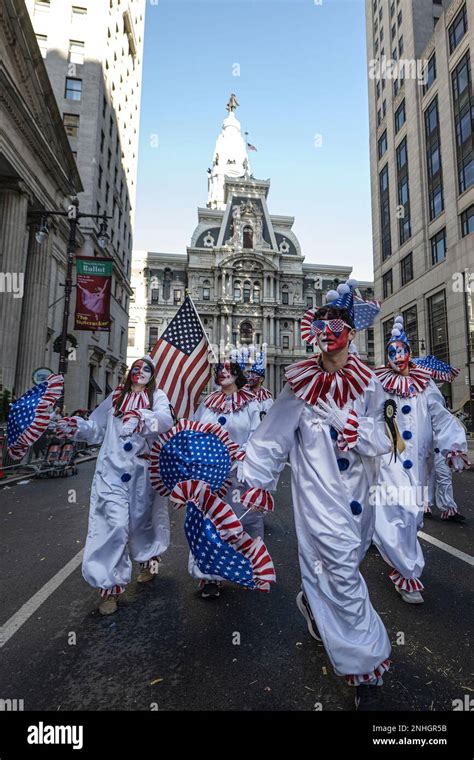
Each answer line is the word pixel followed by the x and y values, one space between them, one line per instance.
pixel 191 463
pixel 438 370
pixel 29 417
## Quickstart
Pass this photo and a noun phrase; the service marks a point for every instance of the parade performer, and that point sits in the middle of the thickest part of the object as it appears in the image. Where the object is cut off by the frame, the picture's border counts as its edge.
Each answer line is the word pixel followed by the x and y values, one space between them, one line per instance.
pixel 127 520
pixel 440 479
pixel 30 416
pixel 329 420
pixel 255 380
pixel 236 409
pixel 191 464
pixel 425 424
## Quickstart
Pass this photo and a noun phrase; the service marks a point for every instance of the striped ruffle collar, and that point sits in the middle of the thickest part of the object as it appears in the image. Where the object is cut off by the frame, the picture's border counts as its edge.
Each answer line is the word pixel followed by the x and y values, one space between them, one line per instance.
pixel 310 382
pixel 222 402
pixel 262 394
pixel 405 386
pixel 133 400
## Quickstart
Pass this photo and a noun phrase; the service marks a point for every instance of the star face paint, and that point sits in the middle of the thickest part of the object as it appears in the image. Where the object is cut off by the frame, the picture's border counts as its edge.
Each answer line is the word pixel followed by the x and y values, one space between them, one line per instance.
pixel 224 375
pixel 398 356
pixel 140 373
pixel 332 334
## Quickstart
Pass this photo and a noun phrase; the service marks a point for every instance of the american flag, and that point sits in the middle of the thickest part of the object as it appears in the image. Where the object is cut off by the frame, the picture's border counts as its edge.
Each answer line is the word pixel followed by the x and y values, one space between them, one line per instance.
pixel 29 417
pixel 251 147
pixel 180 356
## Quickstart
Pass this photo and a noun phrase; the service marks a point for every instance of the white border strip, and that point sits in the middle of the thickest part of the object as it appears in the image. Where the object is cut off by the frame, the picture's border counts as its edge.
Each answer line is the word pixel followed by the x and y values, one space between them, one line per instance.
pixel 447 548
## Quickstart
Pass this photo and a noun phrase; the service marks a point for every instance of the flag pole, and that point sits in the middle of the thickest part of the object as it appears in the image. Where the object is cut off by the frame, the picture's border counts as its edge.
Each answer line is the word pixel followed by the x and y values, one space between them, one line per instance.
pixel 188 295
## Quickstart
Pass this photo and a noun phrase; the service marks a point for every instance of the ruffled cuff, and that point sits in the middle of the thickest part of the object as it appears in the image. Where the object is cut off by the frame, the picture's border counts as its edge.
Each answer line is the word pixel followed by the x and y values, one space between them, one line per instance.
pixel 258 499
pixel 452 455
pixel 134 414
pixel 406 584
pixel 367 678
pixel 349 436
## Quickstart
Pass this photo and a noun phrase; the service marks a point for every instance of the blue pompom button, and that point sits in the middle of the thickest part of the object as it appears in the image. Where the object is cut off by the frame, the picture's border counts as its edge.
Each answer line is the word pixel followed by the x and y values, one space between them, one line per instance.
pixel 333 433
pixel 222 420
pixel 406 409
pixel 407 435
pixel 343 464
pixel 356 507
pixel 408 464
pixel 125 477
pixel 436 450
pixel 128 446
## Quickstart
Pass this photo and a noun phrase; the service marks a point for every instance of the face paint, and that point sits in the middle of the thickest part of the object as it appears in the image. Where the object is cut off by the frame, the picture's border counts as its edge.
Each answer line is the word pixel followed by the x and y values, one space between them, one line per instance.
pixel 398 356
pixel 224 375
pixel 253 380
pixel 140 373
pixel 330 341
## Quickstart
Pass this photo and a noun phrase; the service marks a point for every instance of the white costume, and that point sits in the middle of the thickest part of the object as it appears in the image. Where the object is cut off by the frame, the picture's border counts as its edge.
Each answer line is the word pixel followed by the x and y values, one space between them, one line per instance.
pixel 239 415
pixel 331 476
pixel 425 424
pixel 265 399
pixel 128 520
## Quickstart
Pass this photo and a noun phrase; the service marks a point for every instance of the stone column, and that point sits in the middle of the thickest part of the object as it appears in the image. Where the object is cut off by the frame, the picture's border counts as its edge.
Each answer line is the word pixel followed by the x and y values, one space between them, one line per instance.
pixel 34 318
pixel 13 211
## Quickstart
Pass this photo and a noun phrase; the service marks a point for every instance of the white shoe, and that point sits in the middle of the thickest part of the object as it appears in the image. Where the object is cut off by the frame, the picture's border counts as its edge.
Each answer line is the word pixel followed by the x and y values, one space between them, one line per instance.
pixel 411 597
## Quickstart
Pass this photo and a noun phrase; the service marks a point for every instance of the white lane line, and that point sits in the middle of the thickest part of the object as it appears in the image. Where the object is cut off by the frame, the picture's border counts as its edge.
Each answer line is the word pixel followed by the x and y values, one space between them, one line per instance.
pixel 447 548
pixel 29 608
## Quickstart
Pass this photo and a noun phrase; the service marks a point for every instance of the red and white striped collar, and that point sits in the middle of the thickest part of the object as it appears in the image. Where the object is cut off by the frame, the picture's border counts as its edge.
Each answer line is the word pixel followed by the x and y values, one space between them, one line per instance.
pixel 262 394
pixel 405 386
pixel 222 402
pixel 132 400
pixel 310 382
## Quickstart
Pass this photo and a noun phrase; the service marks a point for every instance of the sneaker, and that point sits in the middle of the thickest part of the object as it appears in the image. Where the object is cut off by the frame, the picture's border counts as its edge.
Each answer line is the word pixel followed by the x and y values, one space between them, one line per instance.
pixel 108 606
pixel 428 512
pixel 210 590
pixel 145 576
pixel 456 518
pixel 411 597
pixel 305 609
pixel 368 698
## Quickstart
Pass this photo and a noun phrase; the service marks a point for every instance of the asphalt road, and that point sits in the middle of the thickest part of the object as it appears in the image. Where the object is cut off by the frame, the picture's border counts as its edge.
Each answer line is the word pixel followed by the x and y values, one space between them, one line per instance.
pixel 168 649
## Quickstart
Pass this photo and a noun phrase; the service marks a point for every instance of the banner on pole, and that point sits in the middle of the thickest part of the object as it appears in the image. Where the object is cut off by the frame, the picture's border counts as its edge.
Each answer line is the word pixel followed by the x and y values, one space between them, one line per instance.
pixel 94 280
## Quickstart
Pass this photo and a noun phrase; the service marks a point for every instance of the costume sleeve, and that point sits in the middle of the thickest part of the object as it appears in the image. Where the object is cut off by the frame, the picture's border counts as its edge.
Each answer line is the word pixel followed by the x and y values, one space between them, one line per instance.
pixel 254 414
pixel 92 431
pixel 372 439
pixel 448 433
pixel 198 414
pixel 156 420
pixel 268 448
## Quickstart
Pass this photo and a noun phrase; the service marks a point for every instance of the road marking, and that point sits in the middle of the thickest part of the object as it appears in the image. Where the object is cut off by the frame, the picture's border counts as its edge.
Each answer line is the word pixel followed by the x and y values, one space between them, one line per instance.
pixel 29 608
pixel 447 548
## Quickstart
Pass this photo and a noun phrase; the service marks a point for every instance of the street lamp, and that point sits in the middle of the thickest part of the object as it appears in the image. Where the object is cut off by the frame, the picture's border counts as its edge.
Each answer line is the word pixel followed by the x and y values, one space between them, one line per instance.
pixel 73 215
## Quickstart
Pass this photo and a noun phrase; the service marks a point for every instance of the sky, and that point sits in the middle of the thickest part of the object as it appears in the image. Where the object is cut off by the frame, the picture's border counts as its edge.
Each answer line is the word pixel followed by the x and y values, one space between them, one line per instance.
pixel 298 69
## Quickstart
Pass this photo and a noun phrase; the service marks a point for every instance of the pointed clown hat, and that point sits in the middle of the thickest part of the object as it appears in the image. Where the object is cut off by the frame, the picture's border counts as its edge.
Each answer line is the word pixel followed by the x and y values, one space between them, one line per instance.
pixel 258 367
pixel 398 333
pixel 360 314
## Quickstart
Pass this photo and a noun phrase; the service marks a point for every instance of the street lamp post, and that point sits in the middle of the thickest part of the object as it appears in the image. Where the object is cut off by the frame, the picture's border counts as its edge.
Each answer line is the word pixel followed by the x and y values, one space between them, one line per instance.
pixel 73 215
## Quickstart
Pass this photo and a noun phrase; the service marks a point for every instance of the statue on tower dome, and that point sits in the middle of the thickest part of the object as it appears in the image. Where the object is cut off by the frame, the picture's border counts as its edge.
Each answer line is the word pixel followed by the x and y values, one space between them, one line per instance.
pixel 232 104
pixel 230 157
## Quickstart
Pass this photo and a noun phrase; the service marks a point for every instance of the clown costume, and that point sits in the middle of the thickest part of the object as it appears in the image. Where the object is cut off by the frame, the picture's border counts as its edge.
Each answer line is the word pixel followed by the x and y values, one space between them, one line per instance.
pixel 255 380
pixel 329 420
pixel 424 424
pixel 127 520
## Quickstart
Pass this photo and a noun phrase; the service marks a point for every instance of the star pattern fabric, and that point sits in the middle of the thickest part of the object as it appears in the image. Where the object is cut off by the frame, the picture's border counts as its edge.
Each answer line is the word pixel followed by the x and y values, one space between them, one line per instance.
pixel 193 455
pixel 29 417
pixel 184 333
pixel 439 370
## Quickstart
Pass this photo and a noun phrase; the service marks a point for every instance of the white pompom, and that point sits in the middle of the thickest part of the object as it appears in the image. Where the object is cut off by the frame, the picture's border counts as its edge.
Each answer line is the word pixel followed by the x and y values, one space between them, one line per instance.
pixel 343 289
pixel 398 320
pixel 352 283
pixel 332 295
pixel 396 332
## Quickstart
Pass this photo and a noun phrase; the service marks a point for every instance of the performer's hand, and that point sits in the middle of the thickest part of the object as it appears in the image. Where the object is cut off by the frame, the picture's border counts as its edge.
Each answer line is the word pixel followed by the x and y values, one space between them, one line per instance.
pixel 131 423
pixel 66 427
pixel 258 500
pixel 330 413
pixel 457 460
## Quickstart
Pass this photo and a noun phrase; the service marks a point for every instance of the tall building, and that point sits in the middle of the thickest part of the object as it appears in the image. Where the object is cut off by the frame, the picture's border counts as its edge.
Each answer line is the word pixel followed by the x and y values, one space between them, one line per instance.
pixel 93 52
pixel 244 270
pixel 422 173
pixel 37 171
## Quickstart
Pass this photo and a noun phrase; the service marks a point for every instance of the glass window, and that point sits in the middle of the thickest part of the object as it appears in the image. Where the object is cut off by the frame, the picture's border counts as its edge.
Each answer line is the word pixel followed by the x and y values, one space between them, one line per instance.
pixel 73 89
pixel 438 326
pixel 401 45
pixel 177 295
pixel 467 221
pixel 152 337
pixel 400 116
pixel 402 154
pixel 286 341
pixel 76 51
pixel 284 297
pixel 429 73
pixel 406 269
pixel 131 337
pixel 309 302
pixel 42 40
pixel 237 293
pixel 463 107
pixel 206 294
pixel 438 247
pixel 100 176
pixel 71 124
pixel 246 292
pixel 410 322
pixel 387 284
pixel 457 29
pixel 382 144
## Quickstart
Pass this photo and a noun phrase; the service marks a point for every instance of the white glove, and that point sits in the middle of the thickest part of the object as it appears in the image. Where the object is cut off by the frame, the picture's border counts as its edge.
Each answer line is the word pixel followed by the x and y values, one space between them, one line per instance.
pixel 131 423
pixel 66 427
pixel 457 460
pixel 329 413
